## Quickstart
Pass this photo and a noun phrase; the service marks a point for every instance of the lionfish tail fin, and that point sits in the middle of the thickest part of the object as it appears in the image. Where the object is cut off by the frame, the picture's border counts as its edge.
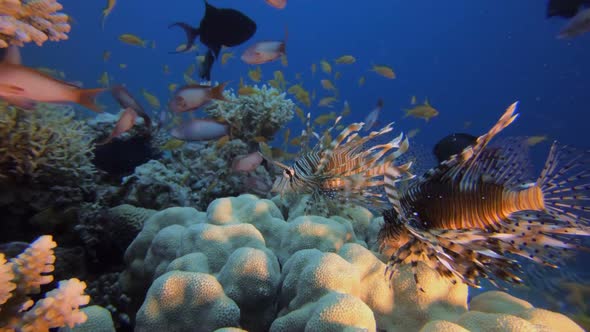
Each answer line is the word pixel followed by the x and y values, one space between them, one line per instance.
pixel 565 183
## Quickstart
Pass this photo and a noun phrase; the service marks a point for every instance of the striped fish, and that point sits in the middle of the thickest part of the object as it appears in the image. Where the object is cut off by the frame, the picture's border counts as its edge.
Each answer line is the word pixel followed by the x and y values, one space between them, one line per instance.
pixel 343 169
pixel 472 215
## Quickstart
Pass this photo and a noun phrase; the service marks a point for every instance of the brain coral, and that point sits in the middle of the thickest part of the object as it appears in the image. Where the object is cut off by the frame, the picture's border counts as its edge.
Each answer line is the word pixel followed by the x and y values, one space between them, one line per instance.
pixel 328 279
pixel 45 146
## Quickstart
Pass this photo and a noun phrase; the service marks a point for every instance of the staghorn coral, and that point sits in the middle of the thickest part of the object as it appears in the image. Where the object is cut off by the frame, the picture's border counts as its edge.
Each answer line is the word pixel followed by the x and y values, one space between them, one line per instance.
pixel 46 146
pixel 31 21
pixel 23 276
pixel 260 114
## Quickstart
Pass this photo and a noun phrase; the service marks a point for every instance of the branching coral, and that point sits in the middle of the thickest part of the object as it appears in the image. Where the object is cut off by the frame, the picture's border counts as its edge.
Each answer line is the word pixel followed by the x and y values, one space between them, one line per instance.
pixel 22 277
pixel 45 146
pixel 260 114
pixel 31 21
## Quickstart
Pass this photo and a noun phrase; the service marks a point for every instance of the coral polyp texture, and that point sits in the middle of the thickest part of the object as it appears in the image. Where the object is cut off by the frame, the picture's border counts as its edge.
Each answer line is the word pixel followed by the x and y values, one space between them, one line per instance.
pixel 32 21
pixel 261 114
pixel 44 146
pixel 23 277
pixel 240 265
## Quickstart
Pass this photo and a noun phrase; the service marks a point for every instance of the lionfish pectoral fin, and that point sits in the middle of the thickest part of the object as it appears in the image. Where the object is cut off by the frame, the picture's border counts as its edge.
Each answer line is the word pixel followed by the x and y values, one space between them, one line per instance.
pixel 565 183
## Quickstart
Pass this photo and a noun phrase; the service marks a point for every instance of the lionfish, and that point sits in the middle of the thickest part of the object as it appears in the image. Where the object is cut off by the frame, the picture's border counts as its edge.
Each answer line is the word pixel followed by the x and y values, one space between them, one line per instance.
pixel 465 217
pixel 343 170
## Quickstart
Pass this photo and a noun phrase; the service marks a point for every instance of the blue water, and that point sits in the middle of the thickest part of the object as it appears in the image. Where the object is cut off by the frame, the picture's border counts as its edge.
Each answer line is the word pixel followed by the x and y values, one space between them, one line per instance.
pixel 470 58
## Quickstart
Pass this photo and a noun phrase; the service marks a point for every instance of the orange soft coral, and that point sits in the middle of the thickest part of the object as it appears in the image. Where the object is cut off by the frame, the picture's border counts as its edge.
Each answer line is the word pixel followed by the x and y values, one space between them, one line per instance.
pixel 23 276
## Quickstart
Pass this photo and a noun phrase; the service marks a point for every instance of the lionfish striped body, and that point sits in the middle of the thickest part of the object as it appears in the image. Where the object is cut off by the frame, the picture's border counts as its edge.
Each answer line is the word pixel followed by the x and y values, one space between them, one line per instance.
pixel 463 217
pixel 342 170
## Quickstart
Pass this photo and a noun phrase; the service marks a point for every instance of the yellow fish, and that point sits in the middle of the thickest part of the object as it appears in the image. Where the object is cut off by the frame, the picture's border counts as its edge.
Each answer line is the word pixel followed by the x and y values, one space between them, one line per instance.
pixel 324 118
pixel 221 142
pixel 424 111
pixel 361 81
pixel 384 71
pixel 122 65
pixel 534 140
pixel 107 11
pixel 225 57
pixel 130 39
pixel 172 144
pixel 181 47
pixel 345 60
pixel 104 80
pixel 200 59
pixel 284 60
pixel 413 132
pixel 326 102
pixel 296 141
pixel 314 68
pixel 337 75
pixel 151 99
pixel 172 87
pixel 300 114
pixel 106 55
pixel 326 67
pixel 166 70
pixel 247 91
pixel 255 74
pixel 260 139
pixel 326 84
pixel 190 70
pixel 346 110
pixel 188 79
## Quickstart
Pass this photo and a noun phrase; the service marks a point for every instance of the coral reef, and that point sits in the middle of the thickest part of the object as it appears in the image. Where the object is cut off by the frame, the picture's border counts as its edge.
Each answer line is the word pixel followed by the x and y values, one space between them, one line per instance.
pixel 311 273
pixel 31 21
pixel 22 277
pixel 260 114
pixel 46 146
pixel 193 175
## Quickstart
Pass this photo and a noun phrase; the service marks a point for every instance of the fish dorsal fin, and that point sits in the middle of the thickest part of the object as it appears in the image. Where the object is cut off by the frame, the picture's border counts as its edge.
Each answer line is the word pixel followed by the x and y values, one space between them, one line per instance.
pixel 12 55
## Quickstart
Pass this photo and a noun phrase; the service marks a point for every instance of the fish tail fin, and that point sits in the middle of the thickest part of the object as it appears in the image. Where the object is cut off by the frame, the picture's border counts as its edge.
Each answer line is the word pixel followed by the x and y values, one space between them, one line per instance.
pixel 565 184
pixel 87 98
pixel 191 35
pixel 217 92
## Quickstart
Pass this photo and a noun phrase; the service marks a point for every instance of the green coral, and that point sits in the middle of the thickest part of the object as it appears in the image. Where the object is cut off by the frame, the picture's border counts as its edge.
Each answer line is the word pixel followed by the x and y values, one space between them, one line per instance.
pixel 46 145
pixel 260 114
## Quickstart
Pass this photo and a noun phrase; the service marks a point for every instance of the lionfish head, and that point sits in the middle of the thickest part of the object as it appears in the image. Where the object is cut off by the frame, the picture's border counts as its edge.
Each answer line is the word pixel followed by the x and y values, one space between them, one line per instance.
pixel 283 184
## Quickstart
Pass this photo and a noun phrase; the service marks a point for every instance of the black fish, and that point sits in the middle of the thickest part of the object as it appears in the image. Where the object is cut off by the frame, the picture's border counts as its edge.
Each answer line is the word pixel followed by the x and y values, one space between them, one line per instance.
pixel 565 8
pixel 452 144
pixel 219 27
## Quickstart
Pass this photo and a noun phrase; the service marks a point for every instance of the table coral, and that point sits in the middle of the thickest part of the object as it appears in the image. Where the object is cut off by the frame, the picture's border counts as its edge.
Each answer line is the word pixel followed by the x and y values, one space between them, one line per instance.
pixel 31 21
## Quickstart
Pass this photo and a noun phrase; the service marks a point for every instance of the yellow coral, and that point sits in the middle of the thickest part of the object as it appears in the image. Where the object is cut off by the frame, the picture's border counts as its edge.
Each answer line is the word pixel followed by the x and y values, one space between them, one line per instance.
pixel 22 277
pixel 46 146
pixel 31 21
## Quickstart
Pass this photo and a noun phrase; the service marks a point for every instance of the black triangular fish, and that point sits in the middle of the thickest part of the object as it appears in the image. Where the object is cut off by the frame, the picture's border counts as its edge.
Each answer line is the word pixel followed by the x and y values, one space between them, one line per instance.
pixel 565 8
pixel 219 27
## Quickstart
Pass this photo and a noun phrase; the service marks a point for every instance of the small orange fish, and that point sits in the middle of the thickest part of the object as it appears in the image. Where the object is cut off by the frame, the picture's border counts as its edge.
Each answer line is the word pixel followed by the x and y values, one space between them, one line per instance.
pixel 191 97
pixel 107 11
pixel 125 123
pixel 130 39
pixel 384 71
pixel 278 4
